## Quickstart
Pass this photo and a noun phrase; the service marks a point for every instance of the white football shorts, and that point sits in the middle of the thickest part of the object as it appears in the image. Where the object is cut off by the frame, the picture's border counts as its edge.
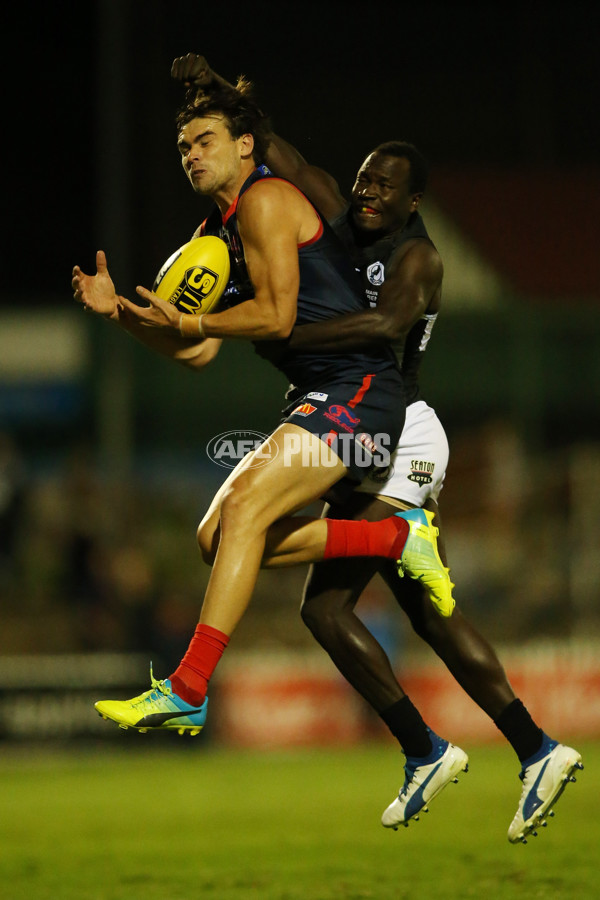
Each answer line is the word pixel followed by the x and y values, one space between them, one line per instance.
pixel 419 462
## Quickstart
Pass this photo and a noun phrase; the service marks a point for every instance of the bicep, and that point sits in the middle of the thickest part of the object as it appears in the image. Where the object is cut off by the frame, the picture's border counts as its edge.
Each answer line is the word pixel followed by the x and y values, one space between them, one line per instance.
pixel 409 287
pixel 269 230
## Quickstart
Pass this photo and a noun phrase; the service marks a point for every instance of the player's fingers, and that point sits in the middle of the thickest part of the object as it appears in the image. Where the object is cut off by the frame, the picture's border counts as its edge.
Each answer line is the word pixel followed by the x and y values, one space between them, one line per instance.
pixel 152 299
pixel 182 66
pixel 177 66
pixel 127 304
pixel 101 262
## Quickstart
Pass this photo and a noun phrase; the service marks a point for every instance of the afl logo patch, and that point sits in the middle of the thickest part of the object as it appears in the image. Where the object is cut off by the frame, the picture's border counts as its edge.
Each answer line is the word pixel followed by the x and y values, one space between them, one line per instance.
pixel 376 273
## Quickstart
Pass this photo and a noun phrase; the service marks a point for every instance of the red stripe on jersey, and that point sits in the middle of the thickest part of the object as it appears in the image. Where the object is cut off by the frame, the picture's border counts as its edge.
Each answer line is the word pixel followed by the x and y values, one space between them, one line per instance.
pixel 231 210
pixel 311 240
pixel 314 238
pixel 366 384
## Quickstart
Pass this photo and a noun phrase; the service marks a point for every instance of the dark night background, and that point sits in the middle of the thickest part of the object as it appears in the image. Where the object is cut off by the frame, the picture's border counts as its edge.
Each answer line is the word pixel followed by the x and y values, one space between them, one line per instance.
pixel 88 108
pixel 103 444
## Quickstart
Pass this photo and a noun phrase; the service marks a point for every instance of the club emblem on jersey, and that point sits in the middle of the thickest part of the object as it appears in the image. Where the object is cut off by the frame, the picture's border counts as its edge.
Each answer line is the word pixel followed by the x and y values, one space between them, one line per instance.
pixel 376 273
pixel 342 417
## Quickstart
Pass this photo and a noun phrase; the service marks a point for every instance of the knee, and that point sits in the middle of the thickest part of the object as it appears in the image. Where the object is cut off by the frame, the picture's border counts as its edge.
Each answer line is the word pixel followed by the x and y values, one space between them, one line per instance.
pixel 320 613
pixel 242 509
pixel 235 513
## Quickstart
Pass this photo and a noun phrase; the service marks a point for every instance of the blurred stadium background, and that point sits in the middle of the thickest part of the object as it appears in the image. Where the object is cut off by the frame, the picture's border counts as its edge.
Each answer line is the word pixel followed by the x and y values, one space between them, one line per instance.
pixel 103 466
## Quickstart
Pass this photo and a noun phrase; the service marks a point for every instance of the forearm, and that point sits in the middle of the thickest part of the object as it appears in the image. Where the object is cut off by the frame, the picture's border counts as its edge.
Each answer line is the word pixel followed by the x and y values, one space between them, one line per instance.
pixel 321 188
pixel 351 332
pixel 190 352
pixel 247 321
pixel 283 159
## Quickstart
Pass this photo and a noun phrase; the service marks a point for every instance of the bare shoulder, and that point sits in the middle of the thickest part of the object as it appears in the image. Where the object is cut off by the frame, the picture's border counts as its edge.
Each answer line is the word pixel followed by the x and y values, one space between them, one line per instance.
pixel 276 203
pixel 417 254
pixel 270 192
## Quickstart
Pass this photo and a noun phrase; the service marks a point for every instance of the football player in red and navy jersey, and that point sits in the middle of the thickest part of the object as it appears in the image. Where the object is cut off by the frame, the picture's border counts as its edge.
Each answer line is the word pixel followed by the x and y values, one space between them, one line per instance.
pixel 290 269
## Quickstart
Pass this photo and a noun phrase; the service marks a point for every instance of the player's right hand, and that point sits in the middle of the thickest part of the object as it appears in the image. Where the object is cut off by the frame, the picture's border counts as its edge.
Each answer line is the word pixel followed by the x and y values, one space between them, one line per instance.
pixel 96 292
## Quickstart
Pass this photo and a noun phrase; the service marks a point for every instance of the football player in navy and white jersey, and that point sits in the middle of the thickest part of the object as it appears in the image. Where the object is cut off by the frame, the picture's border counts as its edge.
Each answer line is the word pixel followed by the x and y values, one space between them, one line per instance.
pixel 402 274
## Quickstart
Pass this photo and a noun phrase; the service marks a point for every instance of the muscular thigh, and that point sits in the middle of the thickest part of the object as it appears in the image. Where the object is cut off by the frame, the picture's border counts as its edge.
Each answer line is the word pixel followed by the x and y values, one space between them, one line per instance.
pixel 300 470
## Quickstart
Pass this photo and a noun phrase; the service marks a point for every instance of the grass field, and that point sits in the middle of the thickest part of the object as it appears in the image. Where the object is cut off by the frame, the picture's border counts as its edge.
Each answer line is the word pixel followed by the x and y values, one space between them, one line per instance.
pixel 171 824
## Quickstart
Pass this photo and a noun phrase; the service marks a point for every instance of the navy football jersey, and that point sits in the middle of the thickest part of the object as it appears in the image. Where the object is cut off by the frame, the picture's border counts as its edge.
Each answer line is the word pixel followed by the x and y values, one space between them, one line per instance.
pixel 329 286
pixel 370 260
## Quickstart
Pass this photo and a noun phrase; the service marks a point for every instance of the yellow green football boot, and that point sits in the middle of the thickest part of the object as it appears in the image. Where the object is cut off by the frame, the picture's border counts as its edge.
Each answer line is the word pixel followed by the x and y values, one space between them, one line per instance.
pixel 420 559
pixel 160 707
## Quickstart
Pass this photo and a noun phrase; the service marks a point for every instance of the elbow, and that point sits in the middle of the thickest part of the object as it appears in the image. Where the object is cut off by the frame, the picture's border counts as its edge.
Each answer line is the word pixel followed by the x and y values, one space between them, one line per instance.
pixel 394 334
pixel 383 330
pixel 277 329
pixel 284 331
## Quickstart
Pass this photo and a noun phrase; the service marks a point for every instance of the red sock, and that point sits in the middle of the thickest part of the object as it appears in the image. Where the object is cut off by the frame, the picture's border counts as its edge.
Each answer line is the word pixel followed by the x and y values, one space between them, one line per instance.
pixel 347 538
pixel 190 679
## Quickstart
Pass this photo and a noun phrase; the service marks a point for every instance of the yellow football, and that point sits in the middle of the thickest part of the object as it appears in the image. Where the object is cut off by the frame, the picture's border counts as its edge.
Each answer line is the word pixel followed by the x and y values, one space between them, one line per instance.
pixel 195 276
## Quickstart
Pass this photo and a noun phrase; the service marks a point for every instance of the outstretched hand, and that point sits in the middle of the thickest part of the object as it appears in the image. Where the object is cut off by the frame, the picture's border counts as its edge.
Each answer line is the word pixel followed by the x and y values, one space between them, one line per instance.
pixel 159 313
pixel 96 292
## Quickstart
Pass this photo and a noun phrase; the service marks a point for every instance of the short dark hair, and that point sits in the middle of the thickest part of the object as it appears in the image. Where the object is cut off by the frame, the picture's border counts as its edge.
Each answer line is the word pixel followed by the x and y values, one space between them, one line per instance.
pixel 419 167
pixel 239 108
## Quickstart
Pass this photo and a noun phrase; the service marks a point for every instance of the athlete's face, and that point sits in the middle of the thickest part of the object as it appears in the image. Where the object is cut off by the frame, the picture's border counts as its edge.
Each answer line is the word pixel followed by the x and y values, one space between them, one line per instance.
pixel 381 197
pixel 210 156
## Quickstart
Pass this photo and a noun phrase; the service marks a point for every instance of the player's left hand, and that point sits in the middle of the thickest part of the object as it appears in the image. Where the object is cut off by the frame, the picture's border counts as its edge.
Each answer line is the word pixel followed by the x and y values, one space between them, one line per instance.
pixel 159 313
pixel 192 69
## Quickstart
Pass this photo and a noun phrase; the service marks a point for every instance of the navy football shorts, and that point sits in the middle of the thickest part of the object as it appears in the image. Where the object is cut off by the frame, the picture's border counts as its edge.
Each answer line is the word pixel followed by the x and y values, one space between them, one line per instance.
pixel 361 419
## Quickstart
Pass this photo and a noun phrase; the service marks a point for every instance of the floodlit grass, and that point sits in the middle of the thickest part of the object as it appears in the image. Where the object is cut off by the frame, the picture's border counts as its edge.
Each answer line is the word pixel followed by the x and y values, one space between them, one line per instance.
pixel 196 822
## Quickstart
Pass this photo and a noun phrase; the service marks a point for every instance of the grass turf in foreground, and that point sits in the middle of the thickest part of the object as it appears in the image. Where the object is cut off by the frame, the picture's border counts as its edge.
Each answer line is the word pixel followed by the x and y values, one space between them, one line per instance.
pixel 198 822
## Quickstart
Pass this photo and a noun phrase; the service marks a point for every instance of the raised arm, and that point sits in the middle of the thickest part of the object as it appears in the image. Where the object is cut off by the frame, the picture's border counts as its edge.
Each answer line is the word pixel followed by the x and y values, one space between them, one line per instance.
pixel 412 287
pixel 320 187
pixel 282 158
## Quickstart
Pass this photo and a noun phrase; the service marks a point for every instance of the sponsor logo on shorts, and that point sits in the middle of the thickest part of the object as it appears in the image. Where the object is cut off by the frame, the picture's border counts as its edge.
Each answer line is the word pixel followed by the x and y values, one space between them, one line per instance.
pixel 376 273
pixel 342 417
pixel 230 447
pixel 317 395
pixel 421 471
pixel 305 409
pixel 368 443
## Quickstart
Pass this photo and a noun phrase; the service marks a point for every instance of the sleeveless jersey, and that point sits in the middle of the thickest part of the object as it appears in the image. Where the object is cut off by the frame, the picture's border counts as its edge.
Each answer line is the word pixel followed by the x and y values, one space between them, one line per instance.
pixel 328 287
pixel 370 261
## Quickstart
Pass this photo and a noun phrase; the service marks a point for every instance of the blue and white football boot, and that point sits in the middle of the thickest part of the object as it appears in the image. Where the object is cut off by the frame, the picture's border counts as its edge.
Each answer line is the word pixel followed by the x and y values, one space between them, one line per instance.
pixel 545 776
pixel 425 777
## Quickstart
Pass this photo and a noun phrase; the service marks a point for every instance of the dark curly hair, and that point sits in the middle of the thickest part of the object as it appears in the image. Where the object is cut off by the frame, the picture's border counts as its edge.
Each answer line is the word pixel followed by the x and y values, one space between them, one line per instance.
pixel 239 107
